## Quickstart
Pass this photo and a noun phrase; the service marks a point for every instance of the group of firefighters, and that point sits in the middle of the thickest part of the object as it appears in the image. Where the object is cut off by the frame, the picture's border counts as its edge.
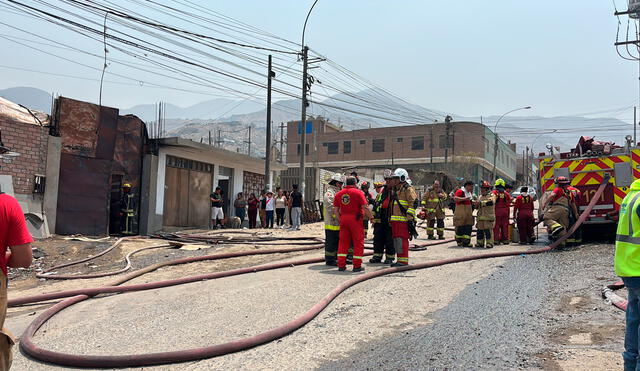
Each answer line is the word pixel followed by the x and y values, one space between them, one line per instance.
pixel 392 211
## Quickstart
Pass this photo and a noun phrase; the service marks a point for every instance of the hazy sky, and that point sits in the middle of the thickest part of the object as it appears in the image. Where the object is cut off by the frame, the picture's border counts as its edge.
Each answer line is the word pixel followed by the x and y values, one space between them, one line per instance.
pixel 465 57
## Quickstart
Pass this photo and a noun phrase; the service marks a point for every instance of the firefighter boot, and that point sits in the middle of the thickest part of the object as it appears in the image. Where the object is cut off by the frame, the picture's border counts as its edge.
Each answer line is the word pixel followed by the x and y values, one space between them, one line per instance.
pixel 376 259
pixel 389 260
pixel 556 230
pixel 480 242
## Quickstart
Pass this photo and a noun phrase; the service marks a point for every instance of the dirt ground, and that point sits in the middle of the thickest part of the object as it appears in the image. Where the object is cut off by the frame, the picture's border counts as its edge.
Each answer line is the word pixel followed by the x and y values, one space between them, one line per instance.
pixel 246 305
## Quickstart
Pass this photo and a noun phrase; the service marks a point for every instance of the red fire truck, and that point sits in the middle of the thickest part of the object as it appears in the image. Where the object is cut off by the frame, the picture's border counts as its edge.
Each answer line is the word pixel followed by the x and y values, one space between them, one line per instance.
pixel 585 166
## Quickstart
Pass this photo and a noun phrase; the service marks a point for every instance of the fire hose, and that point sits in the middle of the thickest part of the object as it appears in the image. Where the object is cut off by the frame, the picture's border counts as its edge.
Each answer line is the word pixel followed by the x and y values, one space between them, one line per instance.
pixel 47 274
pixel 135 360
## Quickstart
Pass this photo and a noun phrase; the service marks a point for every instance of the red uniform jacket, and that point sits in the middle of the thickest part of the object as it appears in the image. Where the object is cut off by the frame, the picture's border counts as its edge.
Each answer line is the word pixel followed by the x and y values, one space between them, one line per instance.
pixel 523 206
pixel 350 200
pixel 503 201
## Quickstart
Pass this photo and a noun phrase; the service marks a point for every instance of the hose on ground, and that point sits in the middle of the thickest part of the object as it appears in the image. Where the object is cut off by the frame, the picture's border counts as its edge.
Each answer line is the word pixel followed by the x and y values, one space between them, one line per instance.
pixel 609 294
pixel 135 360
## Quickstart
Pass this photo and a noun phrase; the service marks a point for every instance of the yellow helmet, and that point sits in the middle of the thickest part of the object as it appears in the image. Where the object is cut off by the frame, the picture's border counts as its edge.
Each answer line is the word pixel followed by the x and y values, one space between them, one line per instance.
pixel 126 185
pixel 500 183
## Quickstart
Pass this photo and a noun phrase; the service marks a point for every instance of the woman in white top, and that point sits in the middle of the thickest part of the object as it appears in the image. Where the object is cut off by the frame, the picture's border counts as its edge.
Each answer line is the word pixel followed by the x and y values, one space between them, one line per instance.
pixel 269 209
pixel 281 207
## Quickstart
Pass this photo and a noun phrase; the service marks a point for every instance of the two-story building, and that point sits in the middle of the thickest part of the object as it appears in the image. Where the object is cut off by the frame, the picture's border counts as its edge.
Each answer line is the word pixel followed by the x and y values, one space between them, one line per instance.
pixel 463 150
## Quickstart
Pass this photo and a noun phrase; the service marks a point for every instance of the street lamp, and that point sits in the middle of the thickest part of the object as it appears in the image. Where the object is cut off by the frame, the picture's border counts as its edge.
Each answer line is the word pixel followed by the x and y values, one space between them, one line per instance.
pixel 303 121
pixel 495 134
pixel 533 143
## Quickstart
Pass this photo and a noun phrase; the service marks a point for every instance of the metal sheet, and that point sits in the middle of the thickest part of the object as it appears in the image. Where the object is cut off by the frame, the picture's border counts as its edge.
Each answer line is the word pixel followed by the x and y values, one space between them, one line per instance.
pixel 83 204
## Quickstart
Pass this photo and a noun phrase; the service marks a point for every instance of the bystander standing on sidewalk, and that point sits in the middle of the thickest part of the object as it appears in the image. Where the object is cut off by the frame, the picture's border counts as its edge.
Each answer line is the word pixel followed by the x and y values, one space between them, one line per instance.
pixel 269 208
pixel 240 205
pixel 295 202
pixel 281 207
pixel 263 211
pixel 253 210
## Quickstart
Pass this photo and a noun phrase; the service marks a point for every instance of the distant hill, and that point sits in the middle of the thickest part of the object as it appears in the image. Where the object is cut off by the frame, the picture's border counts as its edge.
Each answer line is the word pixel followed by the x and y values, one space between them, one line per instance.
pixel 232 115
pixel 209 109
pixel 33 98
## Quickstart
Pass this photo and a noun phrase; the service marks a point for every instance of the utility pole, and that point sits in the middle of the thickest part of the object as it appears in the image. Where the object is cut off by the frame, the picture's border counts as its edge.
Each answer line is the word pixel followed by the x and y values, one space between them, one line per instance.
pixel 282 126
pixel 267 158
pixel 249 142
pixel 209 137
pixel 446 144
pixel 303 120
pixel 431 144
pixel 635 123
pixel 219 140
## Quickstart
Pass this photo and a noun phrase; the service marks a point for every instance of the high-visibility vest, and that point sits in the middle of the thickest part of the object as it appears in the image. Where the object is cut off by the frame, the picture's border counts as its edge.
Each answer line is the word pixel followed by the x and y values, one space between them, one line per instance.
pixel 627 258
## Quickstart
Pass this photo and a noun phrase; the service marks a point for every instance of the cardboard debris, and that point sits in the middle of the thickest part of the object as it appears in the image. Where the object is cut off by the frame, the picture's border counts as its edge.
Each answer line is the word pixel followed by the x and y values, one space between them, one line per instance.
pixel 194 247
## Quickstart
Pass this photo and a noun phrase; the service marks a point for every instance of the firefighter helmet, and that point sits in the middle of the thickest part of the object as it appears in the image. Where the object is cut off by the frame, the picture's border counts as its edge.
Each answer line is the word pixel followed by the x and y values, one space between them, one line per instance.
pixel 378 184
pixel 336 178
pixel 126 185
pixel 402 174
pixel 562 180
pixel 387 174
pixel 364 184
pixel 485 184
pixel 500 183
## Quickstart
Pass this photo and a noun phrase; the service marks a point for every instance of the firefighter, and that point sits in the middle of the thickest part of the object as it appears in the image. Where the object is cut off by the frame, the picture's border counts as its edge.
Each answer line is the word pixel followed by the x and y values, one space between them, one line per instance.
pixel 349 205
pixel 556 216
pixel 463 214
pixel 364 187
pixel 402 215
pixel 523 215
pixel 503 203
pixel 127 211
pixel 433 203
pixel 486 216
pixel 331 222
pixel 382 238
pixel 575 197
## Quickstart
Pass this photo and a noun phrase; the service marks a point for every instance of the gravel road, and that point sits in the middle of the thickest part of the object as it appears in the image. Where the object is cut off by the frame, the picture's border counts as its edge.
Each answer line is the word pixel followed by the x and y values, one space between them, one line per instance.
pixel 534 312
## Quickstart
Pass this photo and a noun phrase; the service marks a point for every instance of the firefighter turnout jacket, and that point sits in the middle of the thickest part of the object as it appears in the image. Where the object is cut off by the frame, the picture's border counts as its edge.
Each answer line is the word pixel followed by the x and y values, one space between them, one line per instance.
pixel 331 221
pixel 486 214
pixel 433 203
pixel 402 199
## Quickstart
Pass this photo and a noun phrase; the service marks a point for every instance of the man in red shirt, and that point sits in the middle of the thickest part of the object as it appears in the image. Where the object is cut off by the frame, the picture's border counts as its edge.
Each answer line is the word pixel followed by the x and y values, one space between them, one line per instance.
pixel 523 215
pixel 15 240
pixel 349 205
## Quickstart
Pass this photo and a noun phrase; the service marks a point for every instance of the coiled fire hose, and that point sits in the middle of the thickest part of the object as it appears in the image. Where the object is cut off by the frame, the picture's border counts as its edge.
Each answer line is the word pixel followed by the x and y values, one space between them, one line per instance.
pixel 134 360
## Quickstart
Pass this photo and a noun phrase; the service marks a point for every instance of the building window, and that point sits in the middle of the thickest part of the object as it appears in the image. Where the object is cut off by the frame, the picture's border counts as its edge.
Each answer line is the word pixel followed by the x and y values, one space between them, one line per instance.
pixel 362 141
pixel 332 148
pixel 306 149
pixel 347 146
pixel 417 143
pixel 377 145
pixel 399 140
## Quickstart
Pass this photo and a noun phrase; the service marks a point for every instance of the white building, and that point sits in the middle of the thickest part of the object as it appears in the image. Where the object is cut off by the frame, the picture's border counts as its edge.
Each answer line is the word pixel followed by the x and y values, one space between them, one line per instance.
pixel 181 174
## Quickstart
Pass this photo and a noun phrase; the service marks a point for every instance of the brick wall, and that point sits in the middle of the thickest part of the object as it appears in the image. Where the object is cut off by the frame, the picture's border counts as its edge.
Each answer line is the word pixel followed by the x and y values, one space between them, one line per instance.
pixel 30 141
pixel 253 183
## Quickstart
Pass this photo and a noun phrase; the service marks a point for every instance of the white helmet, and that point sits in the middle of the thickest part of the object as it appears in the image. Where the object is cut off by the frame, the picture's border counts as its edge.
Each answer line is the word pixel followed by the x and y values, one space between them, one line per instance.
pixel 335 178
pixel 387 173
pixel 401 173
